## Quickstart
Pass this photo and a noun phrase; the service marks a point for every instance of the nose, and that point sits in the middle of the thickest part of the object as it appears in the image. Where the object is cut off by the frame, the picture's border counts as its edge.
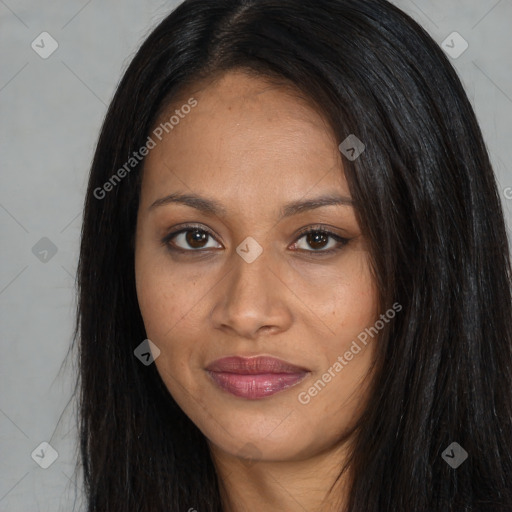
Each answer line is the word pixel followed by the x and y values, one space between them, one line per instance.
pixel 252 299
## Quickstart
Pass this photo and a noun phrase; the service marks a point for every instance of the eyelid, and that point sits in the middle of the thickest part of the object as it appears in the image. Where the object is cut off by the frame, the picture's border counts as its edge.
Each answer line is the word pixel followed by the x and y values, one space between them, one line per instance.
pixel 322 228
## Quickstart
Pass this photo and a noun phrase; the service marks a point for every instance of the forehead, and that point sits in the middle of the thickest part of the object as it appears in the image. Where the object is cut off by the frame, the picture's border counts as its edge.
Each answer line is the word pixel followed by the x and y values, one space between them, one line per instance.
pixel 245 138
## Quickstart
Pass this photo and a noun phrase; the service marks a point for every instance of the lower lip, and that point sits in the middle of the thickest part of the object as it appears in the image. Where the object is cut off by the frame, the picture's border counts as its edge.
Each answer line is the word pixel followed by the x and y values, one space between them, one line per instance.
pixel 257 386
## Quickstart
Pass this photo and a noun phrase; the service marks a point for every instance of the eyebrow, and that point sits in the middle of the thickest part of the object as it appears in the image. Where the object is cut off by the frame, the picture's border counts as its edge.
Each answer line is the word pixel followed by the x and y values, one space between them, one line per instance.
pixel 214 208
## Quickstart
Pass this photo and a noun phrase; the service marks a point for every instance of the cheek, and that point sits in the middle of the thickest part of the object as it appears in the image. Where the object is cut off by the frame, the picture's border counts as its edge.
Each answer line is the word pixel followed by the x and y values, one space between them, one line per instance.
pixel 342 298
pixel 358 296
pixel 164 309
pixel 357 303
pixel 167 297
pixel 357 310
pixel 346 299
pixel 155 298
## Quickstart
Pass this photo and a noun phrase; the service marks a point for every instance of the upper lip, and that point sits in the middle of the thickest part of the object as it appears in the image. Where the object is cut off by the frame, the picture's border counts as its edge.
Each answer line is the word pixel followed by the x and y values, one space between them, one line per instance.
pixel 253 365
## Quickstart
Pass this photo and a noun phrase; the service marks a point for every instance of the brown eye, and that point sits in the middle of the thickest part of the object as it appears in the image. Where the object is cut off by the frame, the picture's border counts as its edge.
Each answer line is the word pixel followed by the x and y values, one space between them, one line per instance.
pixel 190 239
pixel 196 238
pixel 317 240
pixel 320 240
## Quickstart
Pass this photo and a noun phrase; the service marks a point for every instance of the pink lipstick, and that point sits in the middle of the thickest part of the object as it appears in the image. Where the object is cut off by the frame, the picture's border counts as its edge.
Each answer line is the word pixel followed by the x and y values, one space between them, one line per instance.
pixel 254 377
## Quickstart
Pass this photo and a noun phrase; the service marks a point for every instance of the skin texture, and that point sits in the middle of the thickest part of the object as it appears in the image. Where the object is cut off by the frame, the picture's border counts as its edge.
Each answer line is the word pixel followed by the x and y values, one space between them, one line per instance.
pixel 253 147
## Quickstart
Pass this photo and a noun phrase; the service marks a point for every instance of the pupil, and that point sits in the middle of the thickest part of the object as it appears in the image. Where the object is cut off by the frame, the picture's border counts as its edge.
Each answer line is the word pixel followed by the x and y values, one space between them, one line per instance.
pixel 195 237
pixel 315 239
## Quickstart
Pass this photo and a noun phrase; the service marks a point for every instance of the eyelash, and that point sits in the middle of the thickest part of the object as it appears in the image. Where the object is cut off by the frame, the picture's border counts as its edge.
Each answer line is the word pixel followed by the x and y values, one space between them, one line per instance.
pixel 312 229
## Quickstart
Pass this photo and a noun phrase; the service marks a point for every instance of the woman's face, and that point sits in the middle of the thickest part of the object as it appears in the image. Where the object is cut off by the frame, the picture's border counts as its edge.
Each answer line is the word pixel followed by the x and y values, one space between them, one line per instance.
pixel 258 166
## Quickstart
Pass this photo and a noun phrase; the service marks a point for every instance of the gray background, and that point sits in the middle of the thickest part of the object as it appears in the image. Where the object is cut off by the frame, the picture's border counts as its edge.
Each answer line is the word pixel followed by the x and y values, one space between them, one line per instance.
pixel 51 111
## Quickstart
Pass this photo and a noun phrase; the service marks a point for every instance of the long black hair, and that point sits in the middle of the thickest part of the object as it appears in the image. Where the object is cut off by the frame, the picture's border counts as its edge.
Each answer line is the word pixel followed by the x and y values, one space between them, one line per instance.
pixel 425 197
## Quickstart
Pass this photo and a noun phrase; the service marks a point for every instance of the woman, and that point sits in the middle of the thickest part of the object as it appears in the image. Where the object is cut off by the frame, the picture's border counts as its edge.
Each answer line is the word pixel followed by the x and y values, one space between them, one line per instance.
pixel 294 274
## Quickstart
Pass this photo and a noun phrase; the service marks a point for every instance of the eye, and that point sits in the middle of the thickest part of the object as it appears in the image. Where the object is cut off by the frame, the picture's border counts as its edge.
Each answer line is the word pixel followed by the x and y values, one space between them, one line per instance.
pixel 320 240
pixel 190 238
pixel 193 238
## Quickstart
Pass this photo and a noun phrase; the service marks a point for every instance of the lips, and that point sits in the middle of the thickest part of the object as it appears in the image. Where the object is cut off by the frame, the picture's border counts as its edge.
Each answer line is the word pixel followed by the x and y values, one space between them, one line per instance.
pixel 254 377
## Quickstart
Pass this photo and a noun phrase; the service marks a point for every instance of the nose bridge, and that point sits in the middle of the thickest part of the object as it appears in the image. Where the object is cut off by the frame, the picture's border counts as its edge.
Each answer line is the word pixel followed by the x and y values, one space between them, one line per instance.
pixel 251 297
pixel 251 275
